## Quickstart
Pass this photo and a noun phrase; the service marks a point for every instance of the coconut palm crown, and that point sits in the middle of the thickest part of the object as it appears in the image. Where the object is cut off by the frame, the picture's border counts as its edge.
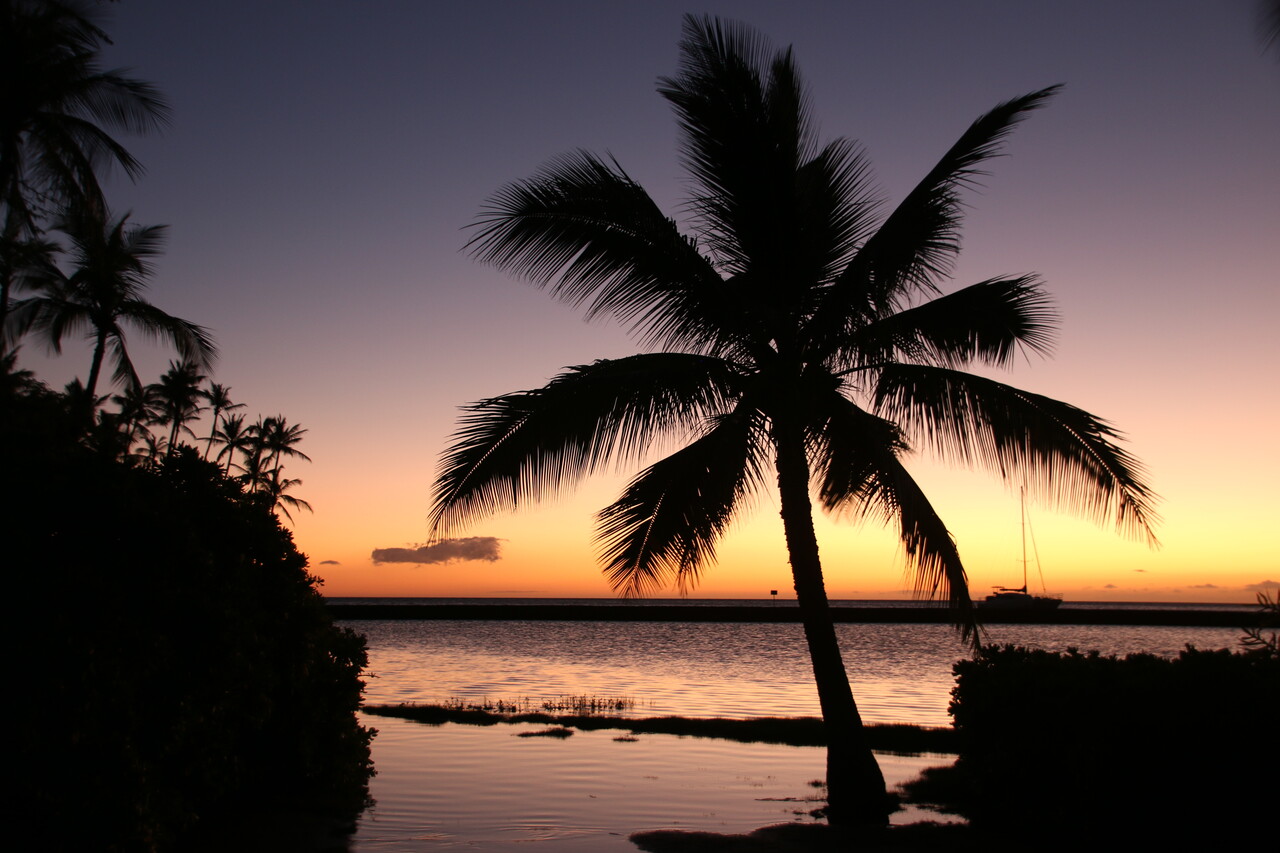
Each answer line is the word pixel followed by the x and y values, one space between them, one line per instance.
pixel 798 334
pixel 104 294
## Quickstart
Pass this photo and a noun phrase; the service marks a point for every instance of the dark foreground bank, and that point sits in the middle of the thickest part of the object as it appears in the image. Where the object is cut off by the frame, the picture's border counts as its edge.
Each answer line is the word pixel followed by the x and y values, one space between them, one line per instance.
pixel 348 612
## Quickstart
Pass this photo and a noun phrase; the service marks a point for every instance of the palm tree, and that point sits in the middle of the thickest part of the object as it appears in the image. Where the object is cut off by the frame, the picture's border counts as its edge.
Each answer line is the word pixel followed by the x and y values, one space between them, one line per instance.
pixel 104 294
pixel 235 438
pixel 55 116
pixel 275 490
pixel 136 409
pixel 280 440
pixel 806 336
pixel 219 397
pixel 178 397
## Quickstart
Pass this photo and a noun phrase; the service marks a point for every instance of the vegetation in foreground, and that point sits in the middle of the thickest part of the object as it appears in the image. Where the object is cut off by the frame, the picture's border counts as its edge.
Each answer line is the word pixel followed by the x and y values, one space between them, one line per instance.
pixel 186 671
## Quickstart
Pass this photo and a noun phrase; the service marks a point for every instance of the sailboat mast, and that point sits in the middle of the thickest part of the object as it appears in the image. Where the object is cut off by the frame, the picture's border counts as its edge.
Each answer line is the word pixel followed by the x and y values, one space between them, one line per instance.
pixel 1023 502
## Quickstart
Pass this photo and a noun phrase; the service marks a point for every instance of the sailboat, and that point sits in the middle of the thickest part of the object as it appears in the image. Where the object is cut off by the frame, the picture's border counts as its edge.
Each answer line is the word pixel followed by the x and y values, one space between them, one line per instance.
pixel 1017 598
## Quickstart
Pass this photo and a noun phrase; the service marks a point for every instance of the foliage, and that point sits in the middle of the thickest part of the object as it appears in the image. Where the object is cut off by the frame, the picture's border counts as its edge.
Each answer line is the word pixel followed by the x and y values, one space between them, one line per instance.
pixel 57 112
pixel 1086 742
pixel 1258 639
pixel 184 664
pixel 104 294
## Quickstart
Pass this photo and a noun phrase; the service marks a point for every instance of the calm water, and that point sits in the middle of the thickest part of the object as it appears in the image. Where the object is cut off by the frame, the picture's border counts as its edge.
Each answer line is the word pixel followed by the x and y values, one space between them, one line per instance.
pixel 900 673
pixel 458 787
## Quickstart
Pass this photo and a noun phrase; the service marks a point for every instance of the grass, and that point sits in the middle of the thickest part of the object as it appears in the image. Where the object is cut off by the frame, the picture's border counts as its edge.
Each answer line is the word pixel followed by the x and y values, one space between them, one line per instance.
pixel 791 731
pixel 585 705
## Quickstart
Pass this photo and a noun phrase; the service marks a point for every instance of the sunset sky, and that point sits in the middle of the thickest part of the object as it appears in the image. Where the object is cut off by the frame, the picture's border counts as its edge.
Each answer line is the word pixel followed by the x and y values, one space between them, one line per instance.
pixel 325 158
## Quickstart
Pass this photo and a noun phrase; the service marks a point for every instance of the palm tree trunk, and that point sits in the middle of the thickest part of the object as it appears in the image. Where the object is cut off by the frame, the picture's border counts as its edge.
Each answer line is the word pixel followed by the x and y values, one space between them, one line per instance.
pixel 856 794
pixel 212 429
pixel 95 369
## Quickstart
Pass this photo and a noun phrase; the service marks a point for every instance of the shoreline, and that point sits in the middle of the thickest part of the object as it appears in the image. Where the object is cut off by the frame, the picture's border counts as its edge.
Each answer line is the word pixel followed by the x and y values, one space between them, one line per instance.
pixel 902 738
pixel 346 612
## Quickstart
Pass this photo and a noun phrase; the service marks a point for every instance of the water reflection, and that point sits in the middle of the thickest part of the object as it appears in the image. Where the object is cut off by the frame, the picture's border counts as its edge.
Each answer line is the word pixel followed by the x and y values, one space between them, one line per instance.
pixel 901 673
pixel 482 789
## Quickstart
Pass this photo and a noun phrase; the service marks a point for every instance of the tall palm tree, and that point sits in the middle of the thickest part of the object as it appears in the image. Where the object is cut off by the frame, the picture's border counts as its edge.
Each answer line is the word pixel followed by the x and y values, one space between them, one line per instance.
pixel 807 339
pixel 56 113
pixel 219 397
pixel 104 293
pixel 178 395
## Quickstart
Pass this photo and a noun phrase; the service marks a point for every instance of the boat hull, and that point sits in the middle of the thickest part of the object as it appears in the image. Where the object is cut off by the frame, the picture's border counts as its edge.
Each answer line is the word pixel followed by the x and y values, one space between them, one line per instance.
pixel 1019 601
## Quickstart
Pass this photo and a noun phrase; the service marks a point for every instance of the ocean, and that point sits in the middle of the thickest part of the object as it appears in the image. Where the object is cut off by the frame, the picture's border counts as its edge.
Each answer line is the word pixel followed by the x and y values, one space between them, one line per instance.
pixel 455 787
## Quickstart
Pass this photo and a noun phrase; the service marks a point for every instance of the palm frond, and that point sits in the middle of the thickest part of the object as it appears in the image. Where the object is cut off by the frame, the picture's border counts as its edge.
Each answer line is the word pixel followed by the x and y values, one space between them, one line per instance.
pixel 193 342
pixel 858 464
pixel 1060 452
pixel 584 228
pixel 838 206
pixel 123 370
pixel 984 323
pixel 745 125
pixel 918 242
pixel 520 447
pixel 663 529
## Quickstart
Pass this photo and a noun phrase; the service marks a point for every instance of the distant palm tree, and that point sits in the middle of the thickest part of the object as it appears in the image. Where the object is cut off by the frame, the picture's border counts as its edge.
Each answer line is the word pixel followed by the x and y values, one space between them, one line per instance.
pixel 219 397
pixel 56 112
pixel 136 410
pixel 276 489
pixel 104 293
pixel 280 440
pixel 807 339
pixel 235 437
pixel 178 395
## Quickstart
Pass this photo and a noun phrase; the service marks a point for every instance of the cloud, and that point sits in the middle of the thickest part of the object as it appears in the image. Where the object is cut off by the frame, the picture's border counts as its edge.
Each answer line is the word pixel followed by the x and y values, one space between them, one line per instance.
pixel 1111 586
pixel 484 548
pixel 1265 586
pixel 1205 586
pixel 330 563
pixel 1141 571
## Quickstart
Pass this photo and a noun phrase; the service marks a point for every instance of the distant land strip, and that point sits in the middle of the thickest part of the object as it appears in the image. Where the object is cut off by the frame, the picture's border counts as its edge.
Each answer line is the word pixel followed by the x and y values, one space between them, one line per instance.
pixel 766 613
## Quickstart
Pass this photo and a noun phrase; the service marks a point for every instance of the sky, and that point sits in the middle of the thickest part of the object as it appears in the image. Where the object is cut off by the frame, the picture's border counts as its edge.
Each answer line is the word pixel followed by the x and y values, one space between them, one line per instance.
pixel 326 157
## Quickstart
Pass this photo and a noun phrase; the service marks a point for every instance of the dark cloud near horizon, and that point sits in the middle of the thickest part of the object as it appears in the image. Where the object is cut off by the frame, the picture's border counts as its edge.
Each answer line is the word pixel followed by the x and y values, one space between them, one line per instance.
pixel 330 563
pixel 1205 586
pixel 471 548
pixel 1263 586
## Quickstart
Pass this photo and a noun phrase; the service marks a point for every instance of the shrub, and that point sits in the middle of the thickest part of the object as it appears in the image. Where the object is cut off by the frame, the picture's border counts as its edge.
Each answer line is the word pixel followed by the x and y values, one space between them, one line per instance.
pixel 178 662
pixel 1087 742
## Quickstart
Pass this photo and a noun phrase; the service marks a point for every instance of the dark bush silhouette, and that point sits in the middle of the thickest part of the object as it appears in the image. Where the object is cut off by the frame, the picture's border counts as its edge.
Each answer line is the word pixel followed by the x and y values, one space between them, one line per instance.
pixel 181 664
pixel 1084 743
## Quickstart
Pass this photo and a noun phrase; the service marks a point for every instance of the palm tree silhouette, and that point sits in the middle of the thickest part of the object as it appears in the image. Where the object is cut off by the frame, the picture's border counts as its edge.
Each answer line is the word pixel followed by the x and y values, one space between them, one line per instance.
pixel 235 437
pixel 58 107
pixel 104 293
pixel 178 395
pixel 136 410
pixel 276 489
pixel 280 440
pixel 806 336
pixel 219 397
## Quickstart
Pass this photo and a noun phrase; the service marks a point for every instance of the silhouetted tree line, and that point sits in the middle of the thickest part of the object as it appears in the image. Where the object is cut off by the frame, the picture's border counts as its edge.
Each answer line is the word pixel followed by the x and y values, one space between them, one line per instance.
pixel 182 667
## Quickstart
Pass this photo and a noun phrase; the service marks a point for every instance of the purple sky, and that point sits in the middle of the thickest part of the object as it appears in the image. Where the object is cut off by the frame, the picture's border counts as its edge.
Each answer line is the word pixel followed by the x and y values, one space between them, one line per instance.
pixel 325 158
